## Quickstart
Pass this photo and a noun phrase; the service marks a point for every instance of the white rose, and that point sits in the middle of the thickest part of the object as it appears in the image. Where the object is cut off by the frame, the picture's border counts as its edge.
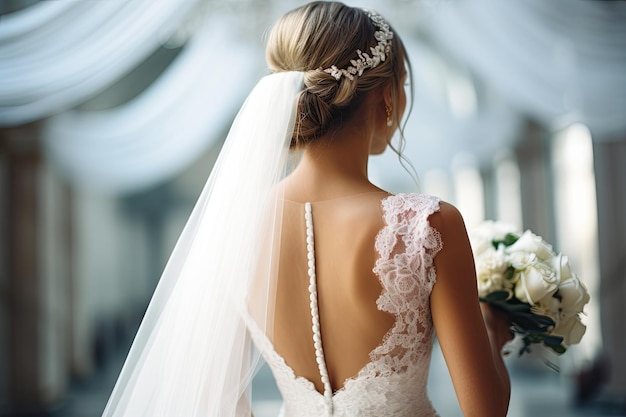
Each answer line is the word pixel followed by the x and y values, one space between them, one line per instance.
pixel 548 306
pixel 561 266
pixel 480 246
pixel 492 260
pixel 530 242
pixel 535 282
pixel 571 330
pixel 573 295
pixel 482 235
pixel 522 260
pixel 489 282
pixel 490 268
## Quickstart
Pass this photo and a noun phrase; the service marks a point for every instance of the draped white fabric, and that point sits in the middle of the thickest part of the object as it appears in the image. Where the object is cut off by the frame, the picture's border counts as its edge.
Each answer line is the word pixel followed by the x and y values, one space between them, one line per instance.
pixel 56 54
pixel 559 61
pixel 164 129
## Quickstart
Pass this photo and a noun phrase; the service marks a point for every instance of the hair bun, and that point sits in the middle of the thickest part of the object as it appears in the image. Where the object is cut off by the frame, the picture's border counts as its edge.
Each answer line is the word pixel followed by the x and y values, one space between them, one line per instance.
pixel 320 36
pixel 335 93
pixel 320 103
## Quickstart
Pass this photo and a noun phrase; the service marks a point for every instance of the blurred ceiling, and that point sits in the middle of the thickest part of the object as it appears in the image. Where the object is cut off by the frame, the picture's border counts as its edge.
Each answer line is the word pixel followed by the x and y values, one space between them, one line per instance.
pixel 131 92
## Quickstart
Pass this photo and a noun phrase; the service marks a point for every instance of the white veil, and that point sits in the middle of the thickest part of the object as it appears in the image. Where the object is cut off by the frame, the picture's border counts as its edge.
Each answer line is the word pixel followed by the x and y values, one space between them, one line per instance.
pixel 192 355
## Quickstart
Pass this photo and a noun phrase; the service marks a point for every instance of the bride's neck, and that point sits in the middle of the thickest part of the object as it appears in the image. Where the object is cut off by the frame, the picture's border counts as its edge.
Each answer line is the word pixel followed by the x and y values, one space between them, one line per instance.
pixel 335 165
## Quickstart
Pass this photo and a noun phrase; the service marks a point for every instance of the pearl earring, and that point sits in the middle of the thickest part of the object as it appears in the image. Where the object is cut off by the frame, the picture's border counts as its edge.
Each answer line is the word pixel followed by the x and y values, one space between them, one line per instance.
pixel 388 111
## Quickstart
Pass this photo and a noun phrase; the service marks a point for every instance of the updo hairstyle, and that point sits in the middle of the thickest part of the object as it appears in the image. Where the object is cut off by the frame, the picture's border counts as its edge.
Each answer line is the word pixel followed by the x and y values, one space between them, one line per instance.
pixel 316 36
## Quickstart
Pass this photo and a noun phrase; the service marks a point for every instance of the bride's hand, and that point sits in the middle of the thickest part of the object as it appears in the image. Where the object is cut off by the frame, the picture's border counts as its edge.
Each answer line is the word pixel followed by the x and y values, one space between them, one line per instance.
pixel 498 326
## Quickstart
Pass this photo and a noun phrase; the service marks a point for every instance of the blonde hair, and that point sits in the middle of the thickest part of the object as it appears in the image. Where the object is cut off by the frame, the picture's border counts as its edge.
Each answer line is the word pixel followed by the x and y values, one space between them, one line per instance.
pixel 319 35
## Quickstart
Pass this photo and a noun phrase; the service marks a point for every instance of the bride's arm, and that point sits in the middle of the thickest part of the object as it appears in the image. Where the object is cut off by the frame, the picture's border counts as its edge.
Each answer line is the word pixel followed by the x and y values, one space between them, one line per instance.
pixel 470 347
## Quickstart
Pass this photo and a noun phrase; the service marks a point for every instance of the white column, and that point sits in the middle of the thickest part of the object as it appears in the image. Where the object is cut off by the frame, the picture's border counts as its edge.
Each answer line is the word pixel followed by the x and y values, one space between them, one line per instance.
pixel 577 227
pixel 54 287
pixel 508 198
pixel 99 286
pixel 610 171
pixel 468 189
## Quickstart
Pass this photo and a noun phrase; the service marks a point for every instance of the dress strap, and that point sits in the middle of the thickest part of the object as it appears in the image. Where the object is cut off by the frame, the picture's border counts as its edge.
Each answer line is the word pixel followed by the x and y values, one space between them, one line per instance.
pixel 315 317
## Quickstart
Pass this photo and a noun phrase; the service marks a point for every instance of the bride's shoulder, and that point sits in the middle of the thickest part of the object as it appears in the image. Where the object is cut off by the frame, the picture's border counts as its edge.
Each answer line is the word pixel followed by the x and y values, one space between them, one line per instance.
pixel 441 215
pixel 413 203
pixel 448 221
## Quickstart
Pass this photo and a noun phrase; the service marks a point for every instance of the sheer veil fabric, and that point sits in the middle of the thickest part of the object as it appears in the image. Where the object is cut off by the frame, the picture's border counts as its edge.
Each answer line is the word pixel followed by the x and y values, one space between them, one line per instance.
pixel 192 355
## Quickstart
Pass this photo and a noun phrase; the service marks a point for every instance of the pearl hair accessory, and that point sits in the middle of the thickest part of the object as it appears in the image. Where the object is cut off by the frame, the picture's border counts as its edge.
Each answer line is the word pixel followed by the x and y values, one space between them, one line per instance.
pixel 364 61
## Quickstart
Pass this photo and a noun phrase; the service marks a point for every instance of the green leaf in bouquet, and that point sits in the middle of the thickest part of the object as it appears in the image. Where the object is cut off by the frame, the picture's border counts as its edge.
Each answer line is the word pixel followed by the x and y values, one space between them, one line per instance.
pixel 527 325
pixel 510 239
pixel 537 338
pixel 533 328
pixel 554 343
pixel 496 297
pixel 526 347
pixel 543 320
pixel 558 349
pixel 524 321
pixel 513 304
pixel 532 323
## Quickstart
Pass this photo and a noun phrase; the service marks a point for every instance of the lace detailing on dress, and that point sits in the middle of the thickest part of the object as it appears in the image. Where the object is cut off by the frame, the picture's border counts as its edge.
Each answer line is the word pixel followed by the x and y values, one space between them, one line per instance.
pixel 394 382
pixel 407 246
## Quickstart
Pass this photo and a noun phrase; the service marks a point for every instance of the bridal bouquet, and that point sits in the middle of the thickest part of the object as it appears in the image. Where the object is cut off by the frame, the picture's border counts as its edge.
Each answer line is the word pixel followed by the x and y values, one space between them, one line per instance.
pixel 521 274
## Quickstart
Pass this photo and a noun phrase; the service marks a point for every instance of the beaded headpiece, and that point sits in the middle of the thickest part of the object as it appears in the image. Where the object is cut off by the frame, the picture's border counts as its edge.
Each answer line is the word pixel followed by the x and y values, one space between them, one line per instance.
pixel 383 35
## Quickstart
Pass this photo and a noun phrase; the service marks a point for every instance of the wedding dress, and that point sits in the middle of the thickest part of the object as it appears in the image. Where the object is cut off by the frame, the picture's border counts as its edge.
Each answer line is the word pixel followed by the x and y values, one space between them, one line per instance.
pixel 394 382
pixel 193 354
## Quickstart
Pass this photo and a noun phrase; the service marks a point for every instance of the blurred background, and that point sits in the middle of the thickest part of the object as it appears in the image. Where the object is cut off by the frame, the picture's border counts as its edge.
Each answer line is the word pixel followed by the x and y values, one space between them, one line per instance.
pixel 112 113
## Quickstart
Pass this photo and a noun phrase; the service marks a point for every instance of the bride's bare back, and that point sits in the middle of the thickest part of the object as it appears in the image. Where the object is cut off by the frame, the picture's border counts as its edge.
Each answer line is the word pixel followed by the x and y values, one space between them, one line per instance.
pixel 351 324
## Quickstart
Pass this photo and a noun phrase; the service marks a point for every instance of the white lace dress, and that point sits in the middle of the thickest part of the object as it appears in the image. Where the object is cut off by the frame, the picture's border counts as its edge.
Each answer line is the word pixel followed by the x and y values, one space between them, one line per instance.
pixel 393 383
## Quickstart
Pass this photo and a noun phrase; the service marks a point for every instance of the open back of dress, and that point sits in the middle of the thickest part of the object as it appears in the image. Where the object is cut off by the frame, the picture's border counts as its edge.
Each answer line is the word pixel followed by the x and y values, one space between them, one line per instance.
pixel 352 331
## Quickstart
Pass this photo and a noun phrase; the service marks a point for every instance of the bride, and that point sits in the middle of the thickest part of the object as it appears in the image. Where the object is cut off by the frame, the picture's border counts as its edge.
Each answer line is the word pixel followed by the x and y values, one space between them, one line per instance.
pixel 292 254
